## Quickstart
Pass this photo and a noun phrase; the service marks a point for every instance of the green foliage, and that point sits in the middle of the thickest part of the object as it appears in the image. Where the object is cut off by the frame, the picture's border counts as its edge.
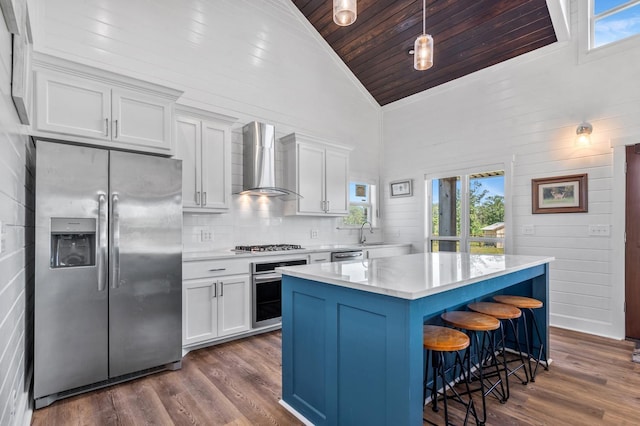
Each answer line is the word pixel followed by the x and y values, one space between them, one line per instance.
pixel 484 210
pixel 357 215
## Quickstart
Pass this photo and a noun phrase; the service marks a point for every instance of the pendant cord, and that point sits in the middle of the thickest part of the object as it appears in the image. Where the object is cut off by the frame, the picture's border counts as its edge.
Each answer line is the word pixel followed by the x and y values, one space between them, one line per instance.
pixel 424 16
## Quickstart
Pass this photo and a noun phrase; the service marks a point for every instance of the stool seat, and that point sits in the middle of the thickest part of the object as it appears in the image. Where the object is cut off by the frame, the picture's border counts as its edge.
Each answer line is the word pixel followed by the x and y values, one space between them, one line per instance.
pixel 498 310
pixel 473 321
pixel 443 339
pixel 518 301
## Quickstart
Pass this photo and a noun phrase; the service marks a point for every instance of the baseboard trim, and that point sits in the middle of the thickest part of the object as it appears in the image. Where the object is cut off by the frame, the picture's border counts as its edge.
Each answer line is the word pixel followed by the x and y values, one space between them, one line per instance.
pixel 293 411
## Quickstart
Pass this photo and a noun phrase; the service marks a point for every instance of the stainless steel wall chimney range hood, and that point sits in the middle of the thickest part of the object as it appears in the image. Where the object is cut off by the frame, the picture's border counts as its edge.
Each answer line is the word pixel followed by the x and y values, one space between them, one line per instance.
pixel 259 160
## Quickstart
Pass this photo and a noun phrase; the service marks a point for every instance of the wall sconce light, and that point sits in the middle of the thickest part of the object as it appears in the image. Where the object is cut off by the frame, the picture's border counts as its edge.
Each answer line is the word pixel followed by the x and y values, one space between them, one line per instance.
pixel 344 12
pixel 583 134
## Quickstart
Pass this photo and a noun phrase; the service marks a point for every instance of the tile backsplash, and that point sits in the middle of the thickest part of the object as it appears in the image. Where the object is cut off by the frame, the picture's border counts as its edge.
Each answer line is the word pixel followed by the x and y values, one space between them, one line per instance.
pixel 254 220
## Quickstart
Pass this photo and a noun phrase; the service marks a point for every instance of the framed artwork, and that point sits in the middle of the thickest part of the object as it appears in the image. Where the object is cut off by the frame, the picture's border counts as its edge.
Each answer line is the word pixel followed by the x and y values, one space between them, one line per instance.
pixel 561 194
pixel 401 188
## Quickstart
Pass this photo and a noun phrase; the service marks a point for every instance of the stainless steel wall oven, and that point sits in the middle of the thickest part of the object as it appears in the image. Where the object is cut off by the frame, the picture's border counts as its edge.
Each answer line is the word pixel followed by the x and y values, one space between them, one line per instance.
pixel 266 291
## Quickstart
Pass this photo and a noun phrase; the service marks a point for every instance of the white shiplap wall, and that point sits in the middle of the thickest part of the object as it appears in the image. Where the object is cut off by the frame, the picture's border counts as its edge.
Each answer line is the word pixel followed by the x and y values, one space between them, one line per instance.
pixel 524 113
pixel 255 60
pixel 16 253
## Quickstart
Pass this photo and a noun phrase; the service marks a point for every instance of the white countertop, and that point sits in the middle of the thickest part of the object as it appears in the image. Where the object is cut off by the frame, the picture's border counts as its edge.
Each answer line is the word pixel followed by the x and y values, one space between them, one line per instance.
pixel 225 254
pixel 417 275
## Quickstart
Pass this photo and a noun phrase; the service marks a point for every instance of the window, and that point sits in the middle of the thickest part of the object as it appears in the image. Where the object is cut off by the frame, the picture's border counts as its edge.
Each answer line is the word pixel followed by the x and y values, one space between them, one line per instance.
pixel 614 20
pixel 362 204
pixel 466 213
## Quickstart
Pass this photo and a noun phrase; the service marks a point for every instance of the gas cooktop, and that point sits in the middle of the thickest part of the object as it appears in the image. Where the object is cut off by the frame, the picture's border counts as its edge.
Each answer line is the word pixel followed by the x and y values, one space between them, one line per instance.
pixel 268 247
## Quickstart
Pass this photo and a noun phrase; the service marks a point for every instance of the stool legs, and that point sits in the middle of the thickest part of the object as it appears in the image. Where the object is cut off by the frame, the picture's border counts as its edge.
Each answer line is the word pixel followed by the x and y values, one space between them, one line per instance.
pixel 486 360
pixel 541 353
pixel 439 373
pixel 522 365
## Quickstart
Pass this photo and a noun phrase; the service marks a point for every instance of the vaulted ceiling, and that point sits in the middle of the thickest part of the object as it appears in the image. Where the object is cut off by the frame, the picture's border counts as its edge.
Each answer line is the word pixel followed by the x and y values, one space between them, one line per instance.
pixel 469 35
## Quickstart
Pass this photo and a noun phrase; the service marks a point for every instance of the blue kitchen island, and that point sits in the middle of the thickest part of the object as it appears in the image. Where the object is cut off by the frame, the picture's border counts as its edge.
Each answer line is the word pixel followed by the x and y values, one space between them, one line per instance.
pixel 352 331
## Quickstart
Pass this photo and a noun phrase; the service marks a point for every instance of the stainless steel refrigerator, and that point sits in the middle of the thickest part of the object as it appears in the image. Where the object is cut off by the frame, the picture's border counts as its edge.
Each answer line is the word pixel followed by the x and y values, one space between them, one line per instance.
pixel 108 272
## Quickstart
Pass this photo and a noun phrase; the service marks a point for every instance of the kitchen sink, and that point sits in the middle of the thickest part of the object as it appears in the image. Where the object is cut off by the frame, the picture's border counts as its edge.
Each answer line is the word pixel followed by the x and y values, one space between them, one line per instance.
pixel 373 244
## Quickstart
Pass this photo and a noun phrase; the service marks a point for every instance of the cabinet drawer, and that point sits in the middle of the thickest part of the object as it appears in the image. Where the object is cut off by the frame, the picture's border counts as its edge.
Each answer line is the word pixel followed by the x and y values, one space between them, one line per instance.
pixel 214 268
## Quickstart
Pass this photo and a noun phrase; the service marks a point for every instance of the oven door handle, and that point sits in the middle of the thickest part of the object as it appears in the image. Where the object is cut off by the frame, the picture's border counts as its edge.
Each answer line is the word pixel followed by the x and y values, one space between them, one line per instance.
pixel 267 277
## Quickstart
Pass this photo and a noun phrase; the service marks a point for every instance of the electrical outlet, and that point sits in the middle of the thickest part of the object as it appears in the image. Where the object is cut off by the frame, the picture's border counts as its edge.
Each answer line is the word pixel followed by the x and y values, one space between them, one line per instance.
pixel 203 234
pixel 314 233
pixel 206 235
pixel 528 230
pixel 599 230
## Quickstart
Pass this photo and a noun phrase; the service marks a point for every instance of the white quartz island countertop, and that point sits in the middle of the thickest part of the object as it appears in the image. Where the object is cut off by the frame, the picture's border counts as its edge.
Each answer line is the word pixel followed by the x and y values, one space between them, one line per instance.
pixel 414 276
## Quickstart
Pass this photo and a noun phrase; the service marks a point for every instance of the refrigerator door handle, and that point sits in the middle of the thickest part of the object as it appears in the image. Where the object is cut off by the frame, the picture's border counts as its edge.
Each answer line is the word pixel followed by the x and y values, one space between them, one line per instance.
pixel 115 243
pixel 102 241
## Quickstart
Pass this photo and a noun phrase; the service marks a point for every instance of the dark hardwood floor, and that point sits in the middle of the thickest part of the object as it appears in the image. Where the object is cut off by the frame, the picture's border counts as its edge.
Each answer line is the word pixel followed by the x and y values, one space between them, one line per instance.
pixel 592 381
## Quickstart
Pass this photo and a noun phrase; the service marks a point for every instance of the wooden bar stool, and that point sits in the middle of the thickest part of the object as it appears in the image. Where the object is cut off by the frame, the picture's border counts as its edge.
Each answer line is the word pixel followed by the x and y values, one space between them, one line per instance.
pixel 528 304
pixel 480 328
pixel 437 342
pixel 509 314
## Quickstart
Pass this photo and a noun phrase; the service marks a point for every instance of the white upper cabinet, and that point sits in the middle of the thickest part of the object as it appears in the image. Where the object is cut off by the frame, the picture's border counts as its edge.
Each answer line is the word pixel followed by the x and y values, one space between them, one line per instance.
pixel 81 104
pixel 203 143
pixel 319 172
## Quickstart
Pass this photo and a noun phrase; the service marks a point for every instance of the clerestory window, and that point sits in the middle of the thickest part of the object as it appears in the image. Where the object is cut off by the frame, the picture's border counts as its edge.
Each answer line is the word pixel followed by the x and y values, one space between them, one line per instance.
pixel 613 20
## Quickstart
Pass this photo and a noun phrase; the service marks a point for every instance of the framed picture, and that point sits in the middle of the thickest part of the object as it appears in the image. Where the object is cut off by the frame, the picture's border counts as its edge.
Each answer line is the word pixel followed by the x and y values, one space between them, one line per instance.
pixel 562 194
pixel 401 188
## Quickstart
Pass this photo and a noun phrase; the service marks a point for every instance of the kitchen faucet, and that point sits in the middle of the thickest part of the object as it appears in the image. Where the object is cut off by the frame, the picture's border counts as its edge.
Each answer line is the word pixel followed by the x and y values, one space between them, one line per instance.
pixel 362 237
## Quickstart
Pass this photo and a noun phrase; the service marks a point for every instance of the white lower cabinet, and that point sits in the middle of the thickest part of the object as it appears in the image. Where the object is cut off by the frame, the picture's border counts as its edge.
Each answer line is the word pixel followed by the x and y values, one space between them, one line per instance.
pixel 214 308
pixel 320 257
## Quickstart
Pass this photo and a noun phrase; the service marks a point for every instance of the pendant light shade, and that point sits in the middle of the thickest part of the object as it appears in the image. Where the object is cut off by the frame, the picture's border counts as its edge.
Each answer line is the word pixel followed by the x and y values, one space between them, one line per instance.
pixel 344 12
pixel 423 47
pixel 423 52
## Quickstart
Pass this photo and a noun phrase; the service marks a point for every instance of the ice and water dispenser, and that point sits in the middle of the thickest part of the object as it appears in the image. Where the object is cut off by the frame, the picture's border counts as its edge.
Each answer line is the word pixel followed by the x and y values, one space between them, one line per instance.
pixel 73 242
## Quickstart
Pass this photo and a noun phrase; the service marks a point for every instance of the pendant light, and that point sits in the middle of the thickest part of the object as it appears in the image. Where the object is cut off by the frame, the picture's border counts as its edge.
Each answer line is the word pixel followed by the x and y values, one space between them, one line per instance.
pixel 344 12
pixel 423 47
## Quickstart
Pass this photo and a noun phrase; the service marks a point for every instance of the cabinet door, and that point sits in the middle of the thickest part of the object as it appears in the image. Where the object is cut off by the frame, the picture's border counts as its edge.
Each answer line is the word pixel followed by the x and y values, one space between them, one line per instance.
pixel 188 146
pixel 216 167
pixel 140 120
pixel 376 253
pixel 310 164
pixel 69 105
pixel 233 305
pixel 337 176
pixel 199 311
pixel 321 257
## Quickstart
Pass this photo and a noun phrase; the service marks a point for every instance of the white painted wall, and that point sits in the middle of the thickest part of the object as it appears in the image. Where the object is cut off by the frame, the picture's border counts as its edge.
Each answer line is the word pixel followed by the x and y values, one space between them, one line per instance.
pixel 16 251
pixel 524 113
pixel 255 60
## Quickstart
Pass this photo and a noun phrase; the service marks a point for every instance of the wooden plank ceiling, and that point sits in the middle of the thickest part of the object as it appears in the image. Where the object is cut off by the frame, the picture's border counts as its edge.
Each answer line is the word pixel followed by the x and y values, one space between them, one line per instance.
pixel 469 35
